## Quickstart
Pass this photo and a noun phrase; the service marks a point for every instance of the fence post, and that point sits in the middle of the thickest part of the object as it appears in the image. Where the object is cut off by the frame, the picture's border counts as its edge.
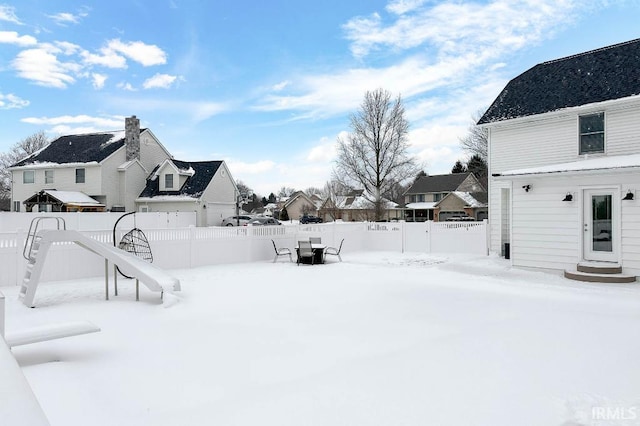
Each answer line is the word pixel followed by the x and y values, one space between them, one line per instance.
pixel 1 315
pixel 429 232
pixel 192 243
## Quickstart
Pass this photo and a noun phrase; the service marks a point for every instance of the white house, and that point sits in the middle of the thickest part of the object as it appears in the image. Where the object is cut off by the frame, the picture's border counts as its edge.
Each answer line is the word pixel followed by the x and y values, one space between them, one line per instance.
pixel 127 170
pixel 110 167
pixel 564 165
pixel 205 187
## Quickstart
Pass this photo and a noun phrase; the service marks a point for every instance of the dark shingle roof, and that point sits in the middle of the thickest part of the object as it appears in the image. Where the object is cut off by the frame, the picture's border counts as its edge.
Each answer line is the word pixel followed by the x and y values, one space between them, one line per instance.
pixel 194 185
pixel 77 149
pixel 604 74
pixel 437 183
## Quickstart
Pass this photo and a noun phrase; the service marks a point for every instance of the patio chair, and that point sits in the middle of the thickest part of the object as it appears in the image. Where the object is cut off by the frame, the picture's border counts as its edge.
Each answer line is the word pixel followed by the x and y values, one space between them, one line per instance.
pixel 315 240
pixel 305 250
pixel 333 251
pixel 283 251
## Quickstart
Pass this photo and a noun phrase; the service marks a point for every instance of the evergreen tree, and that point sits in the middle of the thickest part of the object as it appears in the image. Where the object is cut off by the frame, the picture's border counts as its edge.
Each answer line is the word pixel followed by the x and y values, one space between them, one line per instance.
pixel 459 167
pixel 284 215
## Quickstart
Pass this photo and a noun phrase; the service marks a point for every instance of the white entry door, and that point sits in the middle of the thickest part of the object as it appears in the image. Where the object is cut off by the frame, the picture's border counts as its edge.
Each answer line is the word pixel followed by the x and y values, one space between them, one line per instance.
pixel 601 224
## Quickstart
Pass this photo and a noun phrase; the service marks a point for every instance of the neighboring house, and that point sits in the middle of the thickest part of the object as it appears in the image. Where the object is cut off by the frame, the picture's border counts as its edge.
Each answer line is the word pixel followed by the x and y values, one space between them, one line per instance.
pixel 205 187
pixel 299 204
pixel 355 206
pixel 109 167
pixel 564 162
pixel 126 170
pixel 441 197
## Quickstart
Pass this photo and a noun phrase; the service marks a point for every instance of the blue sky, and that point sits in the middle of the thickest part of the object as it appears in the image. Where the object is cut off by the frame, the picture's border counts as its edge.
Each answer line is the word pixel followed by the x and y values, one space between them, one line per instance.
pixel 269 86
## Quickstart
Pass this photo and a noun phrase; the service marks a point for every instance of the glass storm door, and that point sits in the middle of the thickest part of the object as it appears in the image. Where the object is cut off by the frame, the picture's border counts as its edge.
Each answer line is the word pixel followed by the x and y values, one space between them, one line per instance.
pixel 600 225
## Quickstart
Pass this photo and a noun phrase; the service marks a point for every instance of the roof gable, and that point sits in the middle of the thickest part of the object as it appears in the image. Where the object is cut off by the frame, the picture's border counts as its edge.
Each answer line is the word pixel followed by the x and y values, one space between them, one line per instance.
pixel 604 74
pixel 437 183
pixel 199 175
pixel 87 148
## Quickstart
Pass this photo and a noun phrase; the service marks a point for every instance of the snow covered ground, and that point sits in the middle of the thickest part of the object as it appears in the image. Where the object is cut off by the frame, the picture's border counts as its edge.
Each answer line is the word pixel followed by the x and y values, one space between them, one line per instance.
pixel 380 339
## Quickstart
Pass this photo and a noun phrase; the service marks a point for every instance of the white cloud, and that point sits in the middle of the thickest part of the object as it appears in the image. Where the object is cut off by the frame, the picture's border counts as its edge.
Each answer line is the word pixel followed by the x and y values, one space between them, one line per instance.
pixel 8 14
pixel 106 58
pixel 201 111
pixel 11 101
pixel 98 80
pixel 458 27
pixel 145 54
pixel 325 152
pixel 12 37
pixel 403 6
pixel 280 86
pixel 64 18
pixel 161 81
pixel 44 68
pixel 126 86
pixel 78 124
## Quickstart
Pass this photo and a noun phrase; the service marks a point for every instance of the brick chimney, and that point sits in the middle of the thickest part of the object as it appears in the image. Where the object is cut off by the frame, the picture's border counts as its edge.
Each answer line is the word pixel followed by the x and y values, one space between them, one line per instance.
pixel 132 137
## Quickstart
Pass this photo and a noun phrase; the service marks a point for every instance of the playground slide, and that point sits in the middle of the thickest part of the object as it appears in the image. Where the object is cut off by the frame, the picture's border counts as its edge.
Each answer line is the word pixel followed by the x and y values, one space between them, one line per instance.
pixel 151 276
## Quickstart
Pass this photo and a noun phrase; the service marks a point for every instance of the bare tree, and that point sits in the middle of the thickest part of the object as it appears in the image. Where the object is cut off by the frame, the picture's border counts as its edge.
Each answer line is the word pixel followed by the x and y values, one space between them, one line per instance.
pixel 476 141
pixel 330 193
pixel 285 192
pixel 374 155
pixel 17 152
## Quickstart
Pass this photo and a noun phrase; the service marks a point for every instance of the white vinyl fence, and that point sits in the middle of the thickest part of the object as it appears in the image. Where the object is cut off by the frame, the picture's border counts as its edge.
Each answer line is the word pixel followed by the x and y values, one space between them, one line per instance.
pixel 189 247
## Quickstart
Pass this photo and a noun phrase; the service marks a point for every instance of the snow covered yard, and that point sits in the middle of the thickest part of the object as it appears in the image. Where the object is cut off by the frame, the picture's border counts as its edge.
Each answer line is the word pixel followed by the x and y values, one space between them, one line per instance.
pixel 380 339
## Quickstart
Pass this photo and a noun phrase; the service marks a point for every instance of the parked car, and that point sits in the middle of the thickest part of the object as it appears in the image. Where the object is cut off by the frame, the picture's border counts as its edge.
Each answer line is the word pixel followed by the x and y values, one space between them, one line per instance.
pixel 310 219
pixel 260 221
pixel 233 220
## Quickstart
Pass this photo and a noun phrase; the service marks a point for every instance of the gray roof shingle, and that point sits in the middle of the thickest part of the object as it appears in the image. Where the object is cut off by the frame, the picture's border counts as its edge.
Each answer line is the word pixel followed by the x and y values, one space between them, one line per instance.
pixel 612 72
pixel 194 186
pixel 437 183
pixel 87 148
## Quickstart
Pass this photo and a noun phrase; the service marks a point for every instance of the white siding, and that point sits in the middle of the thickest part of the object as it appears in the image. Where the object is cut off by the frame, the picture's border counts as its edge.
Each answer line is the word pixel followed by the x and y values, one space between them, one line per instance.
pixel 547 232
pixel 64 179
pixel 111 178
pixel 152 152
pixel 221 192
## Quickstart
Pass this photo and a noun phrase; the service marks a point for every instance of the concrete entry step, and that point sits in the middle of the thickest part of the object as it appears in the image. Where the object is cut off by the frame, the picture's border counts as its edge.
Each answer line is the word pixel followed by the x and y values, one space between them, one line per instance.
pixel 599 268
pixel 599 278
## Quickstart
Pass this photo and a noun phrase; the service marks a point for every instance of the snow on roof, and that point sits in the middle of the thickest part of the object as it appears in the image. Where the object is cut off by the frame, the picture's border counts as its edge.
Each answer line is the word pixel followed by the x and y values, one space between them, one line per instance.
pixel 72 197
pixel 591 164
pixel 421 206
pixel 116 136
pixel 469 199
pixel 158 198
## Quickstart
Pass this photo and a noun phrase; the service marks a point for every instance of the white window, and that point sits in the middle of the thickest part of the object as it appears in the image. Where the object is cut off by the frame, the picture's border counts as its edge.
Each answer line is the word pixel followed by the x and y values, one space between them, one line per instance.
pixel 16 206
pixel 79 175
pixel 48 176
pixel 28 176
pixel 591 133
pixel 168 181
pixel 144 209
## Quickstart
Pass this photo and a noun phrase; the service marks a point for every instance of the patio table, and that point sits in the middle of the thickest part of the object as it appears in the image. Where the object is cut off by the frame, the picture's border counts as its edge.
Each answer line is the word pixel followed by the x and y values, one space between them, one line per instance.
pixel 318 252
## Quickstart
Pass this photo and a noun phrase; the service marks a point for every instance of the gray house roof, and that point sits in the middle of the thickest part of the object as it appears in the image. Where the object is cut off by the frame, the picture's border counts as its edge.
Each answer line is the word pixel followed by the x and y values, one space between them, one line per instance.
pixel 437 183
pixel 599 75
pixel 194 186
pixel 87 148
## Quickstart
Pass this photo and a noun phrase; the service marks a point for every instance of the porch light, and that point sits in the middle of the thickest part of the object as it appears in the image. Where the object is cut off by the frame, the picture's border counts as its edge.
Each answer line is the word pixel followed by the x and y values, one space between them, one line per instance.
pixel 568 197
pixel 526 188
pixel 629 195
